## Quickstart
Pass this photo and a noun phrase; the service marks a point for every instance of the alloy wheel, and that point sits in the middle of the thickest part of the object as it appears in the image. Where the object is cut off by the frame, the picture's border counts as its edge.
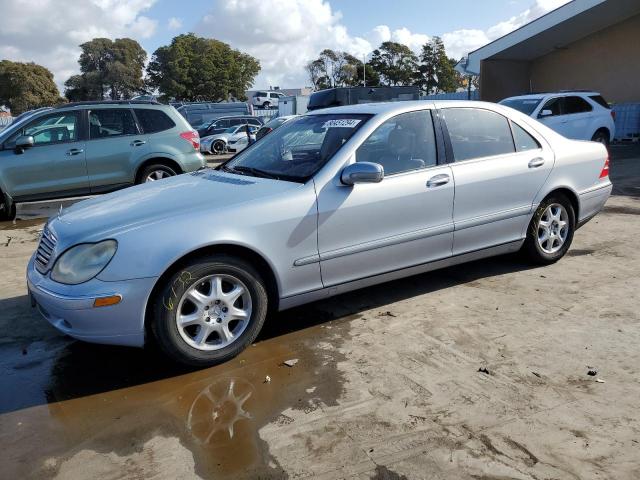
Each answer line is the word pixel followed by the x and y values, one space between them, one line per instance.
pixel 214 312
pixel 553 228
pixel 157 175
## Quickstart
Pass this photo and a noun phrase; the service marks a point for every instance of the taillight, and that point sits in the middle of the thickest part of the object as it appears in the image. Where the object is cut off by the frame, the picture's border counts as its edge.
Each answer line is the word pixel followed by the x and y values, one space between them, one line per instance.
pixel 605 170
pixel 613 114
pixel 192 137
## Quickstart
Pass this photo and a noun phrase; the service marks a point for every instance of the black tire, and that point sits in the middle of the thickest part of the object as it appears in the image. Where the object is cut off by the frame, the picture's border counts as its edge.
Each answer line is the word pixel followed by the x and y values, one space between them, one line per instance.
pixel 601 136
pixel 266 105
pixel 165 309
pixel 532 247
pixel 7 209
pixel 218 147
pixel 156 167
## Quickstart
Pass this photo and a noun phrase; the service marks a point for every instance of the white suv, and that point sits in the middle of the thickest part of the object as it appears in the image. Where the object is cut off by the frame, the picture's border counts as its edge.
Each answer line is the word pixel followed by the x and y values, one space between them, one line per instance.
pixel 267 99
pixel 582 115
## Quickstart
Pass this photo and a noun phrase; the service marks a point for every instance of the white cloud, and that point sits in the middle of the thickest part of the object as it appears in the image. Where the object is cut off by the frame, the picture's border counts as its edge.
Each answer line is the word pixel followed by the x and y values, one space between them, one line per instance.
pixel 174 23
pixel 286 35
pixel 49 33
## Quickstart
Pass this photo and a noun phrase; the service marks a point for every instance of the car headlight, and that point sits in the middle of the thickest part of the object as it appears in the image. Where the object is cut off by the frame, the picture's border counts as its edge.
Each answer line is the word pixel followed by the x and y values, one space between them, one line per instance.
pixel 81 263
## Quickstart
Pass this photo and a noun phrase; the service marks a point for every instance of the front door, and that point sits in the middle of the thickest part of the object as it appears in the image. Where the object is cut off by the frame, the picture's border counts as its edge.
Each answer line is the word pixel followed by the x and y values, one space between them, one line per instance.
pixel 54 167
pixel 498 169
pixel 403 221
pixel 556 119
pixel 113 146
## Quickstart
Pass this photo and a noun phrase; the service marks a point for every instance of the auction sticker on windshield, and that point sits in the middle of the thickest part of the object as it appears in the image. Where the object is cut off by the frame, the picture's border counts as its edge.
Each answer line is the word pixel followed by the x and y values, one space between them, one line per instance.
pixel 341 123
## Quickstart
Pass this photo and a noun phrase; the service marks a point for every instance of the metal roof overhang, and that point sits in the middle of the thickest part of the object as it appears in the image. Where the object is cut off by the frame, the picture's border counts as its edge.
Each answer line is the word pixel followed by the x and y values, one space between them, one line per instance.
pixel 553 31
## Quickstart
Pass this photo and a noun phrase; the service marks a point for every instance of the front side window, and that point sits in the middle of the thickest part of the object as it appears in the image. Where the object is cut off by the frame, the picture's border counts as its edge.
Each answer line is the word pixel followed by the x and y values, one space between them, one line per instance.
pixel 402 143
pixel 111 122
pixel 477 133
pixel 58 128
pixel 555 106
pixel 298 149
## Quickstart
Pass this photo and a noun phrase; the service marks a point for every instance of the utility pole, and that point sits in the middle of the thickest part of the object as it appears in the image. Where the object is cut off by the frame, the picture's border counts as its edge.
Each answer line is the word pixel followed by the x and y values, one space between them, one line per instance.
pixel 364 70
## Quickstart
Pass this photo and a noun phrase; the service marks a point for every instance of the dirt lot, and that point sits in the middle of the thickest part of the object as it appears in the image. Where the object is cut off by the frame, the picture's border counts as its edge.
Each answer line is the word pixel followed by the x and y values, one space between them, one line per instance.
pixel 387 385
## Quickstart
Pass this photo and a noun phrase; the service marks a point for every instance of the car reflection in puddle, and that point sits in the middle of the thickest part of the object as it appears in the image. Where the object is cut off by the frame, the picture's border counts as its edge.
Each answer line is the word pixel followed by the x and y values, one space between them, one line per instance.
pixel 217 408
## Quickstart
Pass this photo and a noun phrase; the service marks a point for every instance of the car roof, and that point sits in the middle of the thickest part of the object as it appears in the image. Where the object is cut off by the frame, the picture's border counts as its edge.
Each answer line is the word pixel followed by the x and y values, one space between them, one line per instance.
pixel 561 93
pixel 400 107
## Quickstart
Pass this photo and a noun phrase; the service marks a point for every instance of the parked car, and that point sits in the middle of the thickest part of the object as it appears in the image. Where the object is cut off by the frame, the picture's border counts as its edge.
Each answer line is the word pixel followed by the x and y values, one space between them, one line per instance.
pixel 93 147
pixel 581 115
pixel 334 201
pixel 228 140
pixel 266 99
pixel 271 125
pixel 221 124
pixel 337 97
pixel 199 114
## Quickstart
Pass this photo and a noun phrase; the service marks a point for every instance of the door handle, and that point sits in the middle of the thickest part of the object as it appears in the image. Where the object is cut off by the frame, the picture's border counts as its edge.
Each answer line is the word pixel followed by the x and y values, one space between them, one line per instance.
pixel 438 180
pixel 536 162
pixel 74 151
pixel 137 143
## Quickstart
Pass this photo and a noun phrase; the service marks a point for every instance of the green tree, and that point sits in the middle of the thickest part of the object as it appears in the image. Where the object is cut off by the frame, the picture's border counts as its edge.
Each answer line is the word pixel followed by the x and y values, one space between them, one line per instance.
pixel 339 69
pixel 395 63
pixel 193 68
pixel 109 69
pixel 25 86
pixel 437 72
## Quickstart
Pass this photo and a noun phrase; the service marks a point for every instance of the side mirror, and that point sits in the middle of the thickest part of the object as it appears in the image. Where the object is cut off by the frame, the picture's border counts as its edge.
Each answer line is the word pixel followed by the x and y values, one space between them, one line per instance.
pixel 545 113
pixel 23 142
pixel 362 172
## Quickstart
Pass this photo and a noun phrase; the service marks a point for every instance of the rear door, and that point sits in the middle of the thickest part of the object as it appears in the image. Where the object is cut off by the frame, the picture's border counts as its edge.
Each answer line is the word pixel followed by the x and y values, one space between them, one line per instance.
pixel 113 146
pixel 54 167
pixel 578 113
pixel 498 167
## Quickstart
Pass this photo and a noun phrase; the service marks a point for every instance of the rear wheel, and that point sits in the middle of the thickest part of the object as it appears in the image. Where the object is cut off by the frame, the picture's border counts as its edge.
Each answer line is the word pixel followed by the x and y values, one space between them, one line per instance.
pixel 210 310
pixel 551 230
pixel 266 105
pixel 601 136
pixel 156 172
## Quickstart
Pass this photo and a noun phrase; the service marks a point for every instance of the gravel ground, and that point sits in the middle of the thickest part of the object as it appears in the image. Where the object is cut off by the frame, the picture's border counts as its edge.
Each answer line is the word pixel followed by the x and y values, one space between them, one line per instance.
pixel 479 371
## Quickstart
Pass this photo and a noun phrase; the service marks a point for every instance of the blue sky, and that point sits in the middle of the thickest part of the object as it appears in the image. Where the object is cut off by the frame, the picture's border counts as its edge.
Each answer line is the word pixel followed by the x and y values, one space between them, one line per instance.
pixel 283 34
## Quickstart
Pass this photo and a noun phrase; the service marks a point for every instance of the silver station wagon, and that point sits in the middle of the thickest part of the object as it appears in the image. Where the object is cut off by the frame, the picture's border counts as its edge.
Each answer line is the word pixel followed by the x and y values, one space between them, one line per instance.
pixel 332 201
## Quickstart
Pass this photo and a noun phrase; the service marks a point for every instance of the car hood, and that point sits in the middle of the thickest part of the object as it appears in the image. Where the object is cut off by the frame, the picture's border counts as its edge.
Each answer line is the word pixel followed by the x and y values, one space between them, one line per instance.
pixel 199 193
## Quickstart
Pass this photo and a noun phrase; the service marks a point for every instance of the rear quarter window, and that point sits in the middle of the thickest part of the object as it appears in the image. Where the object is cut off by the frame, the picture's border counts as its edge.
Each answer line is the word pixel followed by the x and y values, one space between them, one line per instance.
pixel 153 121
pixel 599 99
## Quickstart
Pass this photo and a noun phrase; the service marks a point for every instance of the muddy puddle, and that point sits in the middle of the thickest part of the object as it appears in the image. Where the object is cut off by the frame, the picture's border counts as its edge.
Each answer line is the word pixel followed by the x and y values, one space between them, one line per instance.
pixel 63 397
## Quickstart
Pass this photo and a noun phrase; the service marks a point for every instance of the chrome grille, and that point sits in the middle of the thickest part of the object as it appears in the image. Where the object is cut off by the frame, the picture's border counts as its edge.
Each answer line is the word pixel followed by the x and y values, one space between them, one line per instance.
pixel 45 250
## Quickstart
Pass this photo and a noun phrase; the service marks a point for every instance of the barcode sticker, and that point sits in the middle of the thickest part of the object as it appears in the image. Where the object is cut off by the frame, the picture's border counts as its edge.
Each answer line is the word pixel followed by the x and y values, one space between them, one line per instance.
pixel 341 123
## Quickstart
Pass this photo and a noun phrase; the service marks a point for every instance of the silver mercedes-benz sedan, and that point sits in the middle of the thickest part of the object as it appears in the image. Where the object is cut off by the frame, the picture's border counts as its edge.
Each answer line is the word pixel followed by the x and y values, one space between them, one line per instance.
pixel 332 201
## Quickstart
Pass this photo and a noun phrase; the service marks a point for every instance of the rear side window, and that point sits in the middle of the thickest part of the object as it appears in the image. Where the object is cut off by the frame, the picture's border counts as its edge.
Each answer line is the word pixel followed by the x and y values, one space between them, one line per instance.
pixel 523 140
pixel 576 105
pixel 261 94
pixel 477 133
pixel 599 100
pixel 153 121
pixel 111 122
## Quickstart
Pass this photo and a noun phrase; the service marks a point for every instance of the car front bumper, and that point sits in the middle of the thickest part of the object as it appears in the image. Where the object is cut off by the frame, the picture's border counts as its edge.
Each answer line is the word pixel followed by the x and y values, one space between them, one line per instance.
pixel 70 308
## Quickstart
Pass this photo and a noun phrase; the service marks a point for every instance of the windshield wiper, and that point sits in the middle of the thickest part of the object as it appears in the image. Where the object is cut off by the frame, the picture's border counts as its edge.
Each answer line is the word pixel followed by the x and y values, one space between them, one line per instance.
pixel 253 171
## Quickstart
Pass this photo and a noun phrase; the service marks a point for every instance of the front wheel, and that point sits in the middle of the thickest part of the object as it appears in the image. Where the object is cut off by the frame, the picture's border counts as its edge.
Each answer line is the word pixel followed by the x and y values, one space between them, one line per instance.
pixel 218 147
pixel 210 310
pixel 7 209
pixel 551 230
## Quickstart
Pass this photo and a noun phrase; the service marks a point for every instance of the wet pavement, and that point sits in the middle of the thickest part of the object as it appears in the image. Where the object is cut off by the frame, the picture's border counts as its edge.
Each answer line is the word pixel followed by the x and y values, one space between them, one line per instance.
pixel 386 385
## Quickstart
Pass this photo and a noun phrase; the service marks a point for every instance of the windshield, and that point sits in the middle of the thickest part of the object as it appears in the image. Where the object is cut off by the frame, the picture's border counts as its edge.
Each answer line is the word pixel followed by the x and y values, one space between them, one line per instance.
pixel 298 149
pixel 524 105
